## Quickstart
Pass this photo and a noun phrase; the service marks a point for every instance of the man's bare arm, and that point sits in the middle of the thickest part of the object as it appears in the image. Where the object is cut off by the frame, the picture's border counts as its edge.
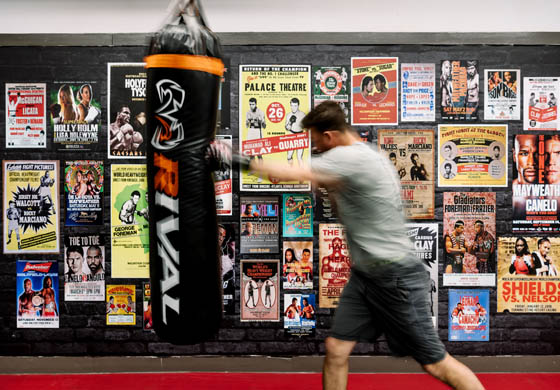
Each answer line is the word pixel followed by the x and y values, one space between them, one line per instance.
pixel 286 172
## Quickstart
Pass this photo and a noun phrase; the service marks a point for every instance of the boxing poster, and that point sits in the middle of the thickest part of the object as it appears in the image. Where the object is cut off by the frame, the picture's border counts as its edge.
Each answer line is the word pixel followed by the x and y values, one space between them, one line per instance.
pixel 335 263
pixel 273 99
pixel 297 215
pixel 84 267
pixel 424 237
pixel 297 265
pixel 130 239
pixel 418 92
pixel 83 188
pixel 469 317
pixel 260 290
pixel 469 238
pixel 540 103
pixel 472 156
pixel 222 182
pixel 300 315
pixel 259 224
pixel 26 125
pixel 121 304
pixel 535 184
pixel 502 94
pixel 37 294
pixel 375 83
pixel 459 88
pixel 529 274
pixel 75 115
pixel 126 110
pixel 147 323
pixel 30 207
pixel 226 241
pixel 331 83
pixel 325 209
pixel 412 154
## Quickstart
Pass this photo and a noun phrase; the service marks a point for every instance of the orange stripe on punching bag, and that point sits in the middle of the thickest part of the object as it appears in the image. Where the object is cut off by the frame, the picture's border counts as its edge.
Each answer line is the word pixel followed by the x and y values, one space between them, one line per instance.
pixel 186 61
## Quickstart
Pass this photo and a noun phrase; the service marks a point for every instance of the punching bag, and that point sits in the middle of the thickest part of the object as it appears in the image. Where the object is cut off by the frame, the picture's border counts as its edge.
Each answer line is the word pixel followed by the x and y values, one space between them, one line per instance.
pixel 184 70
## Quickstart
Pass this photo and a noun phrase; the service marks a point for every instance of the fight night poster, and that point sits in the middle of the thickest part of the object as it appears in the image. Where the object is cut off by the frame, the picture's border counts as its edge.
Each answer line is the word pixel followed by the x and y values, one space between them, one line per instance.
pixel 83 187
pixel 299 315
pixel 226 242
pixel 223 181
pixel 30 207
pixel 459 87
pixel 147 323
pixel 26 126
pixel 418 93
pixel 529 274
pixel 334 264
pixel 469 319
pixel 260 290
pixel 297 212
pixel 472 156
pixel 374 91
pixel 331 83
pixel 273 99
pixel 130 239
pixel 84 267
pixel 121 304
pixel 469 238
pixel 412 153
pixel 75 115
pixel 259 224
pixel 502 94
pixel 297 265
pixel 540 103
pixel 37 294
pixel 126 113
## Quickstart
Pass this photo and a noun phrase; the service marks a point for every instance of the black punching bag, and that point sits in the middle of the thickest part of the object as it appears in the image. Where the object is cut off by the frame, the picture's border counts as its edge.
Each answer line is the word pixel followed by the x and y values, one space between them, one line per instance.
pixel 184 70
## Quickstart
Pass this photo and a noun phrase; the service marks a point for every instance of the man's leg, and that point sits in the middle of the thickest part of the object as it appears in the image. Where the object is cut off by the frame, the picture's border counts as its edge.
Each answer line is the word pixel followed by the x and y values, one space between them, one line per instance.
pixel 454 373
pixel 335 367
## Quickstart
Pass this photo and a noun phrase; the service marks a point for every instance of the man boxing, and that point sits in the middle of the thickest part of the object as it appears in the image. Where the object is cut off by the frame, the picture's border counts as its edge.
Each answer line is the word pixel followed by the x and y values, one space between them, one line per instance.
pixel 483 248
pixel 50 308
pixel 255 123
pixel 293 125
pixel 26 307
pixel 45 192
pixel 293 311
pixel 307 311
pixel 455 249
pixel 128 209
pixel 13 214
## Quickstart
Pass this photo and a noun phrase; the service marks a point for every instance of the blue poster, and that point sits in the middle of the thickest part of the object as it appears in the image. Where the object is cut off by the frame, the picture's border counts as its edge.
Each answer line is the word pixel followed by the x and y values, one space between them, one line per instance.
pixel 300 315
pixel 469 319
pixel 297 215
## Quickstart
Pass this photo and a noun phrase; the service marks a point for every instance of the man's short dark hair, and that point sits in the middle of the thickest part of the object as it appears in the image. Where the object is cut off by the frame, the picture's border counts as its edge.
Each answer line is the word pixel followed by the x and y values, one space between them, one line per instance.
pixel 326 116
pixel 459 223
pixel 134 193
pixel 412 156
pixel 447 146
pixel 295 100
pixel 75 248
pixel 497 147
pixel 10 202
pixel 380 77
pixel 253 100
pixel 95 248
pixel 447 165
pixel 392 154
pixel 365 81
pixel 306 250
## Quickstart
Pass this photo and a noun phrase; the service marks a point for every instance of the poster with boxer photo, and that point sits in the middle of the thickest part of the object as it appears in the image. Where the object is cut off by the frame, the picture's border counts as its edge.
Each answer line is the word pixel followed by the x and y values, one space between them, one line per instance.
pixel 297 215
pixel 459 88
pixel 300 315
pixel 84 267
pixel 502 94
pixel 31 206
pixel 297 265
pixel 83 187
pixel 121 304
pixel 540 103
pixel 26 125
pixel 334 265
pixel 126 110
pixel 259 224
pixel 75 115
pixel 331 83
pixel 469 317
pixel 226 241
pixel 273 99
pixel 223 181
pixel 147 323
pixel 418 92
pixel 260 290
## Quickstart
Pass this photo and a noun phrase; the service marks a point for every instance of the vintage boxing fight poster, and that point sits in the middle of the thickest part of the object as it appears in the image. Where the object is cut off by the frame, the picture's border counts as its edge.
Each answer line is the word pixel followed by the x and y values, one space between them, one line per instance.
pixel 126 110
pixel 418 92
pixel 260 290
pixel 26 125
pixel 469 238
pixel 226 241
pixel 540 103
pixel 223 181
pixel 412 153
pixel 75 115
pixel 84 267
pixel 130 238
pixel 297 265
pixel 472 156
pixel 469 317
pixel 273 99
pixel 83 187
pixel 300 316
pixel 374 91
pixel 502 94
pixel 529 274
pixel 334 266
pixel 121 304
pixel 459 87
pixel 147 323
pixel 31 207
pixel 331 83
pixel 297 215
pixel 37 294
pixel 259 224
pixel 424 237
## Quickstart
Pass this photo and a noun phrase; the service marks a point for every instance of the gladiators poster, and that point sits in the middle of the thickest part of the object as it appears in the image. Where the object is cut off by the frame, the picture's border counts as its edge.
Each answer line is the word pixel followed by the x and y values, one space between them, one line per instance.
pixel 334 265
pixel 297 215
pixel 469 317
pixel 26 126
pixel 459 87
pixel 121 304
pixel 412 153
pixel 126 110
pixel 84 267
pixel 273 99
pixel 472 156
pixel 259 224
pixel 223 181
pixel 374 90
pixel 129 222
pixel 529 274
pixel 540 103
pixel 331 83
pixel 226 242
pixel 469 238
pixel 83 187
pixel 260 290
pixel 37 294
pixel 300 315
pixel 75 115
pixel 297 265
pixel 502 94
pixel 418 93
pixel 31 206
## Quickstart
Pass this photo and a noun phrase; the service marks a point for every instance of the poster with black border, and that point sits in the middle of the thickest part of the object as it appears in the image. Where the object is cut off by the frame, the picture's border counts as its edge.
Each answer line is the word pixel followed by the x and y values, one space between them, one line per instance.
pixel 260 291
pixel 459 88
pixel 84 190
pixel 300 315
pixel 469 317
pixel 418 92
pixel 540 103
pixel 26 125
pixel 223 180
pixel 259 224
pixel 325 208
pixel 226 243
pixel 84 267
pixel 147 323
pixel 331 83
pixel 297 215
pixel 502 94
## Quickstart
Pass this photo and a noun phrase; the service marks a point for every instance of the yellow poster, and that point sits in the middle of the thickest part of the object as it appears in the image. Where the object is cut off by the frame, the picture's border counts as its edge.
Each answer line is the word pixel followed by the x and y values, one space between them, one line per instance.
pixel 121 304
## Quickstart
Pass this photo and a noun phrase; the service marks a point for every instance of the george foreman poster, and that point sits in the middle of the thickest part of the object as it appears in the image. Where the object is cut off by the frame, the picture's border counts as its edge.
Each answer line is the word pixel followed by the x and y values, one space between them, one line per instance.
pixel 334 263
pixel 259 224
